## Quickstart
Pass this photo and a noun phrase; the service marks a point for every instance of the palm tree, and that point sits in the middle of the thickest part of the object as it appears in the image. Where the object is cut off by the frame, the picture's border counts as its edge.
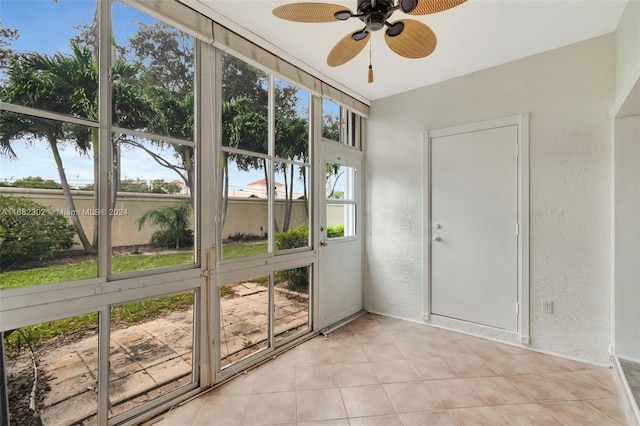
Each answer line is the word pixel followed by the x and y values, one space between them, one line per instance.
pixel 68 84
pixel 243 127
pixel 174 224
pixel 62 84
pixel 291 142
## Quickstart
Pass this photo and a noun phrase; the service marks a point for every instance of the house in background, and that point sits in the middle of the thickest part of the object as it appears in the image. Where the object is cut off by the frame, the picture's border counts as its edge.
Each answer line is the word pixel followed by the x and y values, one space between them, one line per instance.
pixel 259 189
pixel 184 190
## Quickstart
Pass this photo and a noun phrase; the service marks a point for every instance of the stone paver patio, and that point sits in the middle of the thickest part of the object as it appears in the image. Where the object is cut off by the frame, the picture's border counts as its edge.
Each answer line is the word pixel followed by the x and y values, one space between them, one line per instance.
pixel 245 322
pixel 155 357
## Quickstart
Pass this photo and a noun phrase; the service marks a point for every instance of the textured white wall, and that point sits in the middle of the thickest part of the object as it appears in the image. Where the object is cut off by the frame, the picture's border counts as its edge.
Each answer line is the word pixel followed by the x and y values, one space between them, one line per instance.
pixel 568 93
pixel 627 237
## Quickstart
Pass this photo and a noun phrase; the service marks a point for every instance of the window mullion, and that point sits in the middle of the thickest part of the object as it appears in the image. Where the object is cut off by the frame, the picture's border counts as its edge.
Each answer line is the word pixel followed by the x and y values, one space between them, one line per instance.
pixel 104 178
pixel 272 152
pixel 103 189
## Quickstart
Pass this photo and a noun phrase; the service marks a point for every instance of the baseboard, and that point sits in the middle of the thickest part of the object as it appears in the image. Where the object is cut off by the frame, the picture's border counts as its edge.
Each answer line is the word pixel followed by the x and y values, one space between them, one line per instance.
pixel 333 327
pixel 629 404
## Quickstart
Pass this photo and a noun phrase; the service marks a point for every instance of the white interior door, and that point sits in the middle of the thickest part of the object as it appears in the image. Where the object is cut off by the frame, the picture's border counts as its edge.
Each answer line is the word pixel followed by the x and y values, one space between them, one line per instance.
pixel 474 226
pixel 340 259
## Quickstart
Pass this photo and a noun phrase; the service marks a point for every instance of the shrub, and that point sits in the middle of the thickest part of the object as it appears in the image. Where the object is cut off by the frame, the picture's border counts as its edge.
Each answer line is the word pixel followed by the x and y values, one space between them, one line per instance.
pixel 293 238
pixel 173 222
pixel 297 279
pixel 335 231
pixel 243 236
pixel 31 231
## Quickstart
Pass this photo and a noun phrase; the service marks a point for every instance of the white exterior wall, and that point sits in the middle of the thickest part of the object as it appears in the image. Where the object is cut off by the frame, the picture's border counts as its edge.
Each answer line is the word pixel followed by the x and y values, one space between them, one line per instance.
pixel 568 92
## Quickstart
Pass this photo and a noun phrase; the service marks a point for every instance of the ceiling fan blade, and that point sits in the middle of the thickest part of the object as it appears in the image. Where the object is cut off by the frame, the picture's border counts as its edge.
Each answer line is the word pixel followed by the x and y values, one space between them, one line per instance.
pixel 346 49
pixel 425 7
pixel 415 41
pixel 309 12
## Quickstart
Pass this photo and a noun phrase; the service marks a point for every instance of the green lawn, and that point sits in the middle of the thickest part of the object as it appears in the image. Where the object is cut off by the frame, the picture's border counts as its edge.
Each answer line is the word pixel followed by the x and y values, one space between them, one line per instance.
pixel 131 313
pixel 127 314
pixel 119 264
pixel 89 269
pixel 243 250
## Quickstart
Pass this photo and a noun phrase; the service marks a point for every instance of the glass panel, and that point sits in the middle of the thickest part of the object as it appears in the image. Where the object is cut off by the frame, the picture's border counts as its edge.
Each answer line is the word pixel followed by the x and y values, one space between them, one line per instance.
pixel 245 97
pixel 341 196
pixel 63 355
pixel 340 184
pixel 151 350
pixel 341 220
pixel 291 297
pixel 47 202
pixel 56 70
pixel 291 206
pixel 355 130
pixel 245 206
pixel 152 219
pixel 331 122
pixel 244 319
pixel 291 122
pixel 152 75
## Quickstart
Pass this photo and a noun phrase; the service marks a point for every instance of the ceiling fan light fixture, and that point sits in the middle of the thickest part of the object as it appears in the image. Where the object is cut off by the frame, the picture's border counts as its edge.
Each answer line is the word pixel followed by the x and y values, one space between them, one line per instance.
pixel 375 21
pixel 408 6
pixel 395 29
pixel 360 35
pixel 343 15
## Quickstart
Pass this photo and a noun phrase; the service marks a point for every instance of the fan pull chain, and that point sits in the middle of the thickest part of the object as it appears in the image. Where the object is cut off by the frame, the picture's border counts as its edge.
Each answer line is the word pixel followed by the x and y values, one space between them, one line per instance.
pixel 370 66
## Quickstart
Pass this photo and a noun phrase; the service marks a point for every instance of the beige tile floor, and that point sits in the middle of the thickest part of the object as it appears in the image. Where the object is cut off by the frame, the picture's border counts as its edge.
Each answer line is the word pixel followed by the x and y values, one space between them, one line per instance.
pixel 382 371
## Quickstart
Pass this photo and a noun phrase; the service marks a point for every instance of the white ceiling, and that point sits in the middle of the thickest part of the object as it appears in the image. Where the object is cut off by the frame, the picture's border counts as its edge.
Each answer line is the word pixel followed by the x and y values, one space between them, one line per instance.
pixel 475 35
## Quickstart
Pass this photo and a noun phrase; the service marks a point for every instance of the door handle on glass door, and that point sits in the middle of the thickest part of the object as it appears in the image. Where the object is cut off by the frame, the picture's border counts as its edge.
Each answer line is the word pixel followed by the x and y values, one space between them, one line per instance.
pixel 437 238
pixel 323 243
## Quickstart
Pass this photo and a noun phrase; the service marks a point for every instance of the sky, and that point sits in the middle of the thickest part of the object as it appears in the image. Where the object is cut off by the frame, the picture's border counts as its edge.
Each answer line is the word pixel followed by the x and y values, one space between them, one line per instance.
pixel 46 26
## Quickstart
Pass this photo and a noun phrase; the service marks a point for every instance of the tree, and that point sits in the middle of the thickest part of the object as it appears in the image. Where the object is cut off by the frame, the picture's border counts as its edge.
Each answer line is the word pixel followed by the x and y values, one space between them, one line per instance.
pixel 244 119
pixel 167 55
pixel 36 182
pixel 7 36
pixel 291 142
pixel 164 57
pixel 331 131
pixel 174 223
pixel 333 172
pixel 68 84
pixel 331 127
pixel 60 84
pixel 243 127
pixel 160 186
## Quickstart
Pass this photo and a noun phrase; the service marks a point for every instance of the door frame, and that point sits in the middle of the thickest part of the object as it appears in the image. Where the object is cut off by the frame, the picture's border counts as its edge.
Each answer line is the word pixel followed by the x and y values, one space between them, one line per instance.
pixel 332 151
pixel 522 335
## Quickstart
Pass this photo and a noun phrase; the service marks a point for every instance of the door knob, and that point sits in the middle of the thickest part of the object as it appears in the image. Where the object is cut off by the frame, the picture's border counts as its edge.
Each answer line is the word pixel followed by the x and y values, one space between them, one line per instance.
pixel 437 238
pixel 437 225
pixel 323 243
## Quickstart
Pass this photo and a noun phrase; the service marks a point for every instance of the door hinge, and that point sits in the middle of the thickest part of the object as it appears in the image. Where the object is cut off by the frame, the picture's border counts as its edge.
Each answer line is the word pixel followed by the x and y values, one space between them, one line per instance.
pixel 517 229
pixel 517 309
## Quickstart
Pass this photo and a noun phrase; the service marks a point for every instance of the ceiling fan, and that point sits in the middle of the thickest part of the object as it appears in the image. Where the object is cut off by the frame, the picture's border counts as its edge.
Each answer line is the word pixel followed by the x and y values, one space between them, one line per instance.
pixel 406 37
